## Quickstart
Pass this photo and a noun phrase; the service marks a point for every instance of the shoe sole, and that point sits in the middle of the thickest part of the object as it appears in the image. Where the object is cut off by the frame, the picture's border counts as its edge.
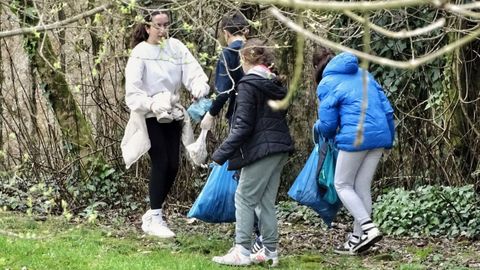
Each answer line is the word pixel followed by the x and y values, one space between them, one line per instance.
pixel 344 252
pixel 159 236
pixel 366 245
pixel 230 264
pixel 269 262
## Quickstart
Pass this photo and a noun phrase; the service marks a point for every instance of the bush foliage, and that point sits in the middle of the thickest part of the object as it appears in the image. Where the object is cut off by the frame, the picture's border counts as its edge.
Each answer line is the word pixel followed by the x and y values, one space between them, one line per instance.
pixel 430 211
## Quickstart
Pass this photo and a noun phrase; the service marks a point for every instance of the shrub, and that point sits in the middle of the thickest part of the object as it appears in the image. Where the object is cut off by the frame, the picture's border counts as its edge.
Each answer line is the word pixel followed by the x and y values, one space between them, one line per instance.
pixel 430 211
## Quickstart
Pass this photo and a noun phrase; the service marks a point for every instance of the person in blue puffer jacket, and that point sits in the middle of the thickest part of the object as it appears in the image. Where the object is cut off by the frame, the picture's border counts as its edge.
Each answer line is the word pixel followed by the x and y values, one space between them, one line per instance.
pixel 360 143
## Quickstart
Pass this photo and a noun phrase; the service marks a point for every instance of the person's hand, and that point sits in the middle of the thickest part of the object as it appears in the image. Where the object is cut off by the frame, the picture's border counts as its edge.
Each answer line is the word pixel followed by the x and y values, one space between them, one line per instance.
pixel 200 91
pixel 158 107
pixel 207 121
pixel 213 164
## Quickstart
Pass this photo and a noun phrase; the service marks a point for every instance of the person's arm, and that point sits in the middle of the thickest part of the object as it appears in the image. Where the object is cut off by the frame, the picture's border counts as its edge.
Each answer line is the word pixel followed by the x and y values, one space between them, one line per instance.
pixel 136 98
pixel 224 82
pixel 218 103
pixel 323 90
pixel 243 125
pixel 224 85
pixel 193 77
pixel 328 116
pixel 387 108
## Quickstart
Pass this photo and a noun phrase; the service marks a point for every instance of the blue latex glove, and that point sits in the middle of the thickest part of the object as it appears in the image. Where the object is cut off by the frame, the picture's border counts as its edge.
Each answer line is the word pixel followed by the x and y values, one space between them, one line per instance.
pixel 213 164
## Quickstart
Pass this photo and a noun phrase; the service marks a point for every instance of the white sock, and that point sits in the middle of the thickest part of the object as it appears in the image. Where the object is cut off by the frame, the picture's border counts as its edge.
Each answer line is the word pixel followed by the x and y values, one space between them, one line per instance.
pixel 156 211
pixel 156 215
pixel 366 226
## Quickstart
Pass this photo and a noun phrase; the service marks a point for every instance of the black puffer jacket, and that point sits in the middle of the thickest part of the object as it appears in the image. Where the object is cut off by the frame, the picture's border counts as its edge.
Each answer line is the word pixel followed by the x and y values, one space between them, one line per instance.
pixel 257 131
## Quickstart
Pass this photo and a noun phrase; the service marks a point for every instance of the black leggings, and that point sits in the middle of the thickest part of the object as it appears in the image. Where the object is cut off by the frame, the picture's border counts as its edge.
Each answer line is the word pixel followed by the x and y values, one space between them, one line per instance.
pixel 165 158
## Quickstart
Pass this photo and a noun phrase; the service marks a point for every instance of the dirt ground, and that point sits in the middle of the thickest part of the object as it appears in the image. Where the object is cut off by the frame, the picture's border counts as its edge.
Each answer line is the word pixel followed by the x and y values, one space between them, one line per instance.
pixel 315 242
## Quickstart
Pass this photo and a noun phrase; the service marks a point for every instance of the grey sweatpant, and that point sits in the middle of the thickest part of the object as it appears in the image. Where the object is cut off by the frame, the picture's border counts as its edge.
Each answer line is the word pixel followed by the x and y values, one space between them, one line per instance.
pixel 353 179
pixel 258 187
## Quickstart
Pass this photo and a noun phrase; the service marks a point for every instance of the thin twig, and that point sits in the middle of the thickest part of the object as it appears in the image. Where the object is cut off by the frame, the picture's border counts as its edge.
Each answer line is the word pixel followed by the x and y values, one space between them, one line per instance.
pixel 401 34
pixel 42 28
pixel 340 6
pixel 411 64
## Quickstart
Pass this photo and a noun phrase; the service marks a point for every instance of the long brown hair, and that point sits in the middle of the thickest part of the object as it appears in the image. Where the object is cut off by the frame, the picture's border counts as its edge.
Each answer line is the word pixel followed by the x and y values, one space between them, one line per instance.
pixel 320 59
pixel 257 52
pixel 139 33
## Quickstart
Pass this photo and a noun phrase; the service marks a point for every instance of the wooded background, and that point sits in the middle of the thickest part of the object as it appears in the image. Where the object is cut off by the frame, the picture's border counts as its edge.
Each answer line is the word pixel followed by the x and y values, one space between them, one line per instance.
pixel 62 92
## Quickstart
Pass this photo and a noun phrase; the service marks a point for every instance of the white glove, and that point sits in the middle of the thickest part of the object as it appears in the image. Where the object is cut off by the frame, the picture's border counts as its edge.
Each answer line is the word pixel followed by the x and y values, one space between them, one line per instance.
pixel 159 107
pixel 200 91
pixel 207 122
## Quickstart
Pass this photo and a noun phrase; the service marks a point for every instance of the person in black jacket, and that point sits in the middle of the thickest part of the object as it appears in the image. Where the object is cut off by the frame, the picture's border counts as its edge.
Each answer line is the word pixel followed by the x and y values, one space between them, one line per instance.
pixel 227 75
pixel 259 144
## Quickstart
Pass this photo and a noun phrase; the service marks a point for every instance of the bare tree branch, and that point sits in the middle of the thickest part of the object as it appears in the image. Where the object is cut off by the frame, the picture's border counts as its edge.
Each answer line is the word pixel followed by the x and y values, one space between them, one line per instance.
pixel 42 28
pixel 413 63
pixel 340 6
pixel 461 10
pixel 400 34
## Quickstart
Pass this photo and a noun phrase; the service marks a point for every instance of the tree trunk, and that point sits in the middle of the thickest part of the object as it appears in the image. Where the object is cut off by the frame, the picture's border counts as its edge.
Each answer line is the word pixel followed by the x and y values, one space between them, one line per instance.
pixel 469 83
pixel 96 76
pixel 1 98
pixel 463 86
pixel 76 131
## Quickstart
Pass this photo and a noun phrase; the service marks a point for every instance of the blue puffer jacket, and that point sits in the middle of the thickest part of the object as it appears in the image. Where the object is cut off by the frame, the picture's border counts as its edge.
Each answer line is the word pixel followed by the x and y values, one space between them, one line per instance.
pixel 340 94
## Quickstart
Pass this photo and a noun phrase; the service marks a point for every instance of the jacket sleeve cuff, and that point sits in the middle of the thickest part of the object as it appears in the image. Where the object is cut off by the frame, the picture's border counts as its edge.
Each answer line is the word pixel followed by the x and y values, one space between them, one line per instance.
pixel 216 158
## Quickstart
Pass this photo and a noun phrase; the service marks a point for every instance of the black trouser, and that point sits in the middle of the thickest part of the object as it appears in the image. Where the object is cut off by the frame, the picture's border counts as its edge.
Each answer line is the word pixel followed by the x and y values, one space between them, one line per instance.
pixel 165 158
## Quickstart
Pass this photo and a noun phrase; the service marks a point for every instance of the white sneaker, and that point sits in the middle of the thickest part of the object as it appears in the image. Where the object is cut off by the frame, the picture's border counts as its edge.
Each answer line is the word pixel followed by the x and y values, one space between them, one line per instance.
pixel 236 256
pixel 368 239
pixel 346 248
pixel 155 225
pixel 265 255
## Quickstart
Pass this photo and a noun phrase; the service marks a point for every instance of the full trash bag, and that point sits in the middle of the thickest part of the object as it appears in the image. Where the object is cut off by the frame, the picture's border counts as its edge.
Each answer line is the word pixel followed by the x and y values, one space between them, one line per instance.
pixel 197 151
pixel 326 175
pixel 198 109
pixel 216 201
pixel 307 191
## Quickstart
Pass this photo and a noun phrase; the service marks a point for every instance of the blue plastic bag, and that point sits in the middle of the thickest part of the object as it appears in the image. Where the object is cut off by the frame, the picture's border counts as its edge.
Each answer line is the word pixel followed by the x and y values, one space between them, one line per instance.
pixel 326 174
pixel 307 191
pixel 216 201
pixel 199 108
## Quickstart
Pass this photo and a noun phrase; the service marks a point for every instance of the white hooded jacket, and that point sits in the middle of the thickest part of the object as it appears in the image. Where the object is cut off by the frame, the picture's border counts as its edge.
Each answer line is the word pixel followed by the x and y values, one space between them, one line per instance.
pixel 158 70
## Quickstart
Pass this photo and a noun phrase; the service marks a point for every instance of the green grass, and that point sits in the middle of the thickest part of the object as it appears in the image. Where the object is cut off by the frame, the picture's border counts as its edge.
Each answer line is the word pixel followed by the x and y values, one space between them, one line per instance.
pixel 57 244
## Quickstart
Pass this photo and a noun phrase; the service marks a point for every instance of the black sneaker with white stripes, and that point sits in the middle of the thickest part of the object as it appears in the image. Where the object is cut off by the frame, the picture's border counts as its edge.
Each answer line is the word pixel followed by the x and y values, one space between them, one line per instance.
pixel 346 248
pixel 371 235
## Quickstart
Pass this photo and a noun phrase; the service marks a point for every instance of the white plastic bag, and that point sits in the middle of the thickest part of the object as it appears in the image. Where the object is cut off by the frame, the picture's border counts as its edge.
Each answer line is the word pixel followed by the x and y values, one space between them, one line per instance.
pixel 197 151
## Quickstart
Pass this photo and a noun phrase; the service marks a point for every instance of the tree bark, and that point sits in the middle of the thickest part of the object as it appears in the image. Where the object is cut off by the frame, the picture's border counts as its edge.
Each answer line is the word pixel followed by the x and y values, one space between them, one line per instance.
pixel 462 73
pixel 76 131
pixel 96 77
pixel 2 78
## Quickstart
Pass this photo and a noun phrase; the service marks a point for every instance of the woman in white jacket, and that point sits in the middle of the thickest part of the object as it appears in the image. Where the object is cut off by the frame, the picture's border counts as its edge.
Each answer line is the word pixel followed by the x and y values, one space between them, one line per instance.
pixel 157 68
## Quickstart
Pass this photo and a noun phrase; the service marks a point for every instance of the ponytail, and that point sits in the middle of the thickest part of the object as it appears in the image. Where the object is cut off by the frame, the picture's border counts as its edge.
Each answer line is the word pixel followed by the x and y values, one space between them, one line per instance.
pixel 140 33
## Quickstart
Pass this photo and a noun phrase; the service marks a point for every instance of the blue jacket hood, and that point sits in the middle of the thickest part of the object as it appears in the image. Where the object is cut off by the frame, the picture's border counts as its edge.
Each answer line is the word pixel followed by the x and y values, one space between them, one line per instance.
pixel 344 63
pixel 341 96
